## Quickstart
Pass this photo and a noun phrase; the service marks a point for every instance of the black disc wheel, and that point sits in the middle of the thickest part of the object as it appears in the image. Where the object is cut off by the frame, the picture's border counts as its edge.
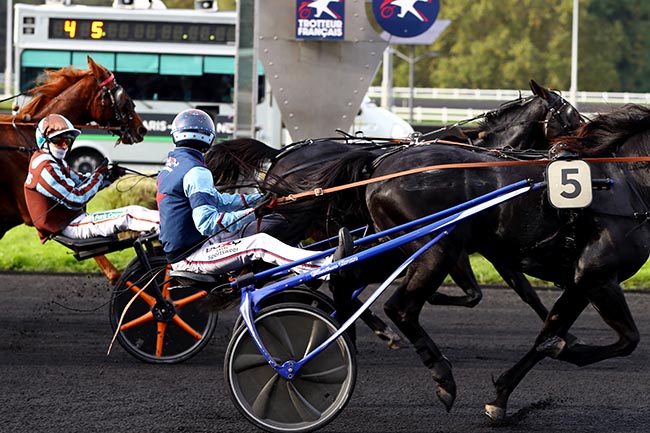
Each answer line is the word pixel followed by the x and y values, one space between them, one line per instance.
pixel 320 389
pixel 159 333
pixel 296 295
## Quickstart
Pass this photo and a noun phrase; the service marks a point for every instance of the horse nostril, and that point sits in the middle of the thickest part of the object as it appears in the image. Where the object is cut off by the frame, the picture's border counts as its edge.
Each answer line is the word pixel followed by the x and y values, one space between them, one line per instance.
pixel 142 131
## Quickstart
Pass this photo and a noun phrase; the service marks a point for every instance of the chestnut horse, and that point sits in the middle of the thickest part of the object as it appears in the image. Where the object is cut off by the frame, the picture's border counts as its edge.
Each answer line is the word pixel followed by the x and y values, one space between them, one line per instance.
pixel 83 96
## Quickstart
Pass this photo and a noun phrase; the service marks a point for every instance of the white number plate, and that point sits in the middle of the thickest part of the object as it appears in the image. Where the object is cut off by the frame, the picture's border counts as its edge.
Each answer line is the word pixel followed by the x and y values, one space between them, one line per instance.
pixel 569 184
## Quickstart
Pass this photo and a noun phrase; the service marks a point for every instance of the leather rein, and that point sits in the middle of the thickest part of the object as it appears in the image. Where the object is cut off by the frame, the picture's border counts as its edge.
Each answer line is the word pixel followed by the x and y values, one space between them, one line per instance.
pixel 317 192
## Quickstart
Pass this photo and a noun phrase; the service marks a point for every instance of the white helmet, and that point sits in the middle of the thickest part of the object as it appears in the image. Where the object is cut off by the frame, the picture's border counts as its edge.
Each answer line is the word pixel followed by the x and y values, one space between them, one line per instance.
pixel 51 126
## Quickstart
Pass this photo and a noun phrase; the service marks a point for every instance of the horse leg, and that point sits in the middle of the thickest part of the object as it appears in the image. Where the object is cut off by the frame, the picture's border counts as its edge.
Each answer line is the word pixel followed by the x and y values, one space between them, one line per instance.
pixel 462 274
pixel 371 270
pixel 520 284
pixel 610 303
pixel 565 311
pixel 378 326
pixel 404 308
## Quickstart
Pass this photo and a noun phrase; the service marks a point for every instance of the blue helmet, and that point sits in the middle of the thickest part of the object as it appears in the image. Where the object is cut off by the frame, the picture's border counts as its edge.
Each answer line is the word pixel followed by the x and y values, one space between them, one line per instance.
pixel 52 125
pixel 193 128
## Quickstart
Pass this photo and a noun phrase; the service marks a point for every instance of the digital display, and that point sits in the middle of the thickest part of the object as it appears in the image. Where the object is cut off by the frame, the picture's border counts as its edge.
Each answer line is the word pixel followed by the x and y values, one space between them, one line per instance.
pixel 140 31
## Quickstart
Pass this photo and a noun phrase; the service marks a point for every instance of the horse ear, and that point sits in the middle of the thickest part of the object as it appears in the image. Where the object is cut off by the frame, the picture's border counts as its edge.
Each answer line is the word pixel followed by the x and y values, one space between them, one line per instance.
pixel 537 89
pixel 93 67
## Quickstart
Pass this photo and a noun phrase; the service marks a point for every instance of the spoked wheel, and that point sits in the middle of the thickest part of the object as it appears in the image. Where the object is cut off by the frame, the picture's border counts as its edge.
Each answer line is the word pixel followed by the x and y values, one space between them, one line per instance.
pixel 320 389
pixel 166 333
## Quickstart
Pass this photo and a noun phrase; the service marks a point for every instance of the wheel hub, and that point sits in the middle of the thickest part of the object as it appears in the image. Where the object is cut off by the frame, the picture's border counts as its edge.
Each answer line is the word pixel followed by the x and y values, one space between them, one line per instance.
pixel 163 311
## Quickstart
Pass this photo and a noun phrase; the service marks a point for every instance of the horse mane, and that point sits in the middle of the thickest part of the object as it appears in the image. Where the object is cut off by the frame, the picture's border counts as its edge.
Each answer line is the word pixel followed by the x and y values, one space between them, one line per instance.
pixel 52 84
pixel 608 131
pixel 349 203
pixel 499 122
pixel 495 119
pixel 231 160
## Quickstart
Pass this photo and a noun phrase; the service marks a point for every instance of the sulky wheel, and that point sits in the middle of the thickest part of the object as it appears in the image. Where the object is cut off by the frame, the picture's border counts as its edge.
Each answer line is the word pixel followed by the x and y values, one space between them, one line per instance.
pixel 161 334
pixel 320 389
pixel 295 295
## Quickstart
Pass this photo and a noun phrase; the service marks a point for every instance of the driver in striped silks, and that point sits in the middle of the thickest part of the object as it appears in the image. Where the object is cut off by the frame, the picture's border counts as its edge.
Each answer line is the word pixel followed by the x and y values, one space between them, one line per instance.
pixel 57 195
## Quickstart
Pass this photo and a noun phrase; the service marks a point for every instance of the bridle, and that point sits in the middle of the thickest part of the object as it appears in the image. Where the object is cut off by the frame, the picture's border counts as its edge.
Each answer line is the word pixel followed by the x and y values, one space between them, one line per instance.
pixel 123 108
pixel 558 111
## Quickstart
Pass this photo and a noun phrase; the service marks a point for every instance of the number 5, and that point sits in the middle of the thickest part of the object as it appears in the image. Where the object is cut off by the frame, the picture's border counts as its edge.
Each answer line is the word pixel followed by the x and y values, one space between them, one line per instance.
pixel 569 184
pixel 97 30
pixel 566 180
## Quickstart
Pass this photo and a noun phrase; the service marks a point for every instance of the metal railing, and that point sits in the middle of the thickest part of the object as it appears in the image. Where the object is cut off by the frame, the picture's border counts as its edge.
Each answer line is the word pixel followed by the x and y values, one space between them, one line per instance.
pixel 508 95
pixel 447 116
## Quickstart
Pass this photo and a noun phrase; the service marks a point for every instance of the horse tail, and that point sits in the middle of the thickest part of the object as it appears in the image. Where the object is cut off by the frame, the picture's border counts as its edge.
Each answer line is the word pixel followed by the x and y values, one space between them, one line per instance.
pixel 240 158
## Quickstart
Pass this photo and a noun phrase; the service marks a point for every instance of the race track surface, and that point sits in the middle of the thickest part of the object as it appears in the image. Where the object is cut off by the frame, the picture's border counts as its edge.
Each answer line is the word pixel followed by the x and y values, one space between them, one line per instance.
pixel 55 376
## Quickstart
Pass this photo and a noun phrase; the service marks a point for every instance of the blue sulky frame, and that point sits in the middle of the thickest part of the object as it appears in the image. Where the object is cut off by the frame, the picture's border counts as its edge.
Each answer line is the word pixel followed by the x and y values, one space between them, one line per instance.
pixel 440 224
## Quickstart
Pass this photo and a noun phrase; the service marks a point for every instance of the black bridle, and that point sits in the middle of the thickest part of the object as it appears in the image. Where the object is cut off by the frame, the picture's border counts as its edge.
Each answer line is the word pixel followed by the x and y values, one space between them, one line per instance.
pixel 562 112
pixel 123 107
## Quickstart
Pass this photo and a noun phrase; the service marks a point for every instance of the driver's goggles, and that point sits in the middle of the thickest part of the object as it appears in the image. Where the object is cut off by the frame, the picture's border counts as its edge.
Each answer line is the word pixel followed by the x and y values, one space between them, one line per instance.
pixel 61 141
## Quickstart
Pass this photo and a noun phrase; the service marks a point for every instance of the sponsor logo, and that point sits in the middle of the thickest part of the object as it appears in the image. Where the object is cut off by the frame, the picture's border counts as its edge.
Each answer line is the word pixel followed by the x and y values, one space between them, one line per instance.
pixel 171 162
pixel 107 215
pixel 320 19
pixel 405 18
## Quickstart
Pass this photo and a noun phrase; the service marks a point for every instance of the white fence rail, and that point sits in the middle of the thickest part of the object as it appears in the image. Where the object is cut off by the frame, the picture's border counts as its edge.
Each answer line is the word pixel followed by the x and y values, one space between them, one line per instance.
pixel 508 95
pixel 446 115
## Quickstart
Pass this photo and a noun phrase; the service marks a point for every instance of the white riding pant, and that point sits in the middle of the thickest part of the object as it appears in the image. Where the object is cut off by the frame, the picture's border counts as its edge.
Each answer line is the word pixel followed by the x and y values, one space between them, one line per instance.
pixel 107 223
pixel 217 257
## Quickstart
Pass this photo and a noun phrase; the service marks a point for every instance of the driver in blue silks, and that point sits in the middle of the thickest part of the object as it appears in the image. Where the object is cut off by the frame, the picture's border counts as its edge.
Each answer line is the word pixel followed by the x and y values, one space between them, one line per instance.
pixel 200 228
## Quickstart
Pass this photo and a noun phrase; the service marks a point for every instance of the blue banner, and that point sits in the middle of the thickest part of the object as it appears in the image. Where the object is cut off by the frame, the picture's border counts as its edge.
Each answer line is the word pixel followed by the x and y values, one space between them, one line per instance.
pixel 320 19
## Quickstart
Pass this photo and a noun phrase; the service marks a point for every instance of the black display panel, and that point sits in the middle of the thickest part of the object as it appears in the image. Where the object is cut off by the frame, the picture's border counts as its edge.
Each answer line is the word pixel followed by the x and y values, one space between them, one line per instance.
pixel 141 31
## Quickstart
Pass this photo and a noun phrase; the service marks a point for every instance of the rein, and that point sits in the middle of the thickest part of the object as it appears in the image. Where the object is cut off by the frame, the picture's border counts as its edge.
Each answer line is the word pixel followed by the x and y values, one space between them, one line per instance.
pixel 320 191
pixel 29 149
pixel 108 128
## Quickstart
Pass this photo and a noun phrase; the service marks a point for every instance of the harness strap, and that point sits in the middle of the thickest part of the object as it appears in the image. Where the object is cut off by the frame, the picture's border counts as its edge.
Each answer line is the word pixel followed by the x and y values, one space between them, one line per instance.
pixel 320 191
pixel 86 126
pixel 106 81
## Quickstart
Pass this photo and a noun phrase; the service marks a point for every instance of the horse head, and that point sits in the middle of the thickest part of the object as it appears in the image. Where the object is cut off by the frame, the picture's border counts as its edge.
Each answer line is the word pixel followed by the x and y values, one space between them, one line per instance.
pixel 112 106
pixel 528 123
pixel 562 117
pixel 83 97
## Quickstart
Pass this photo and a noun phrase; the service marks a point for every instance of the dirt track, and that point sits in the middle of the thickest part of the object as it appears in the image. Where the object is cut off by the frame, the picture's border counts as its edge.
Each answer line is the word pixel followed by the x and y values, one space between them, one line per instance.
pixel 56 378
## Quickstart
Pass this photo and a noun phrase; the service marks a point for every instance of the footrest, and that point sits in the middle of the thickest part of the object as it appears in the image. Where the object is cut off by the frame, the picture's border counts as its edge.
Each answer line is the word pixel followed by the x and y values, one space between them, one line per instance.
pixel 92 247
pixel 194 276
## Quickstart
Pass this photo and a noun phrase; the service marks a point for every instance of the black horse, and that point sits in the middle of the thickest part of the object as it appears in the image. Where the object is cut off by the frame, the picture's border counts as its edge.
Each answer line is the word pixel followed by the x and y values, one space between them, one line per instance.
pixel 586 252
pixel 517 129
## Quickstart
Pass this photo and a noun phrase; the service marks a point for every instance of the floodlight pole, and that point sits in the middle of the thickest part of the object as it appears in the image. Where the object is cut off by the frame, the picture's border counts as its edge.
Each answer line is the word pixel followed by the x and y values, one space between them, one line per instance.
pixel 246 87
pixel 9 46
pixel 573 90
pixel 412 59
pixel 387 99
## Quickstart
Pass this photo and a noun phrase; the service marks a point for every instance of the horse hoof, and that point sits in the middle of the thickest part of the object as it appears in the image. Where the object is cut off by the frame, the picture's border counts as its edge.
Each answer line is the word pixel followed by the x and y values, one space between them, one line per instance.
pixel 390 337
pixel 495 413
pixel 552 347
pixel 447 397
pixel 572 340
